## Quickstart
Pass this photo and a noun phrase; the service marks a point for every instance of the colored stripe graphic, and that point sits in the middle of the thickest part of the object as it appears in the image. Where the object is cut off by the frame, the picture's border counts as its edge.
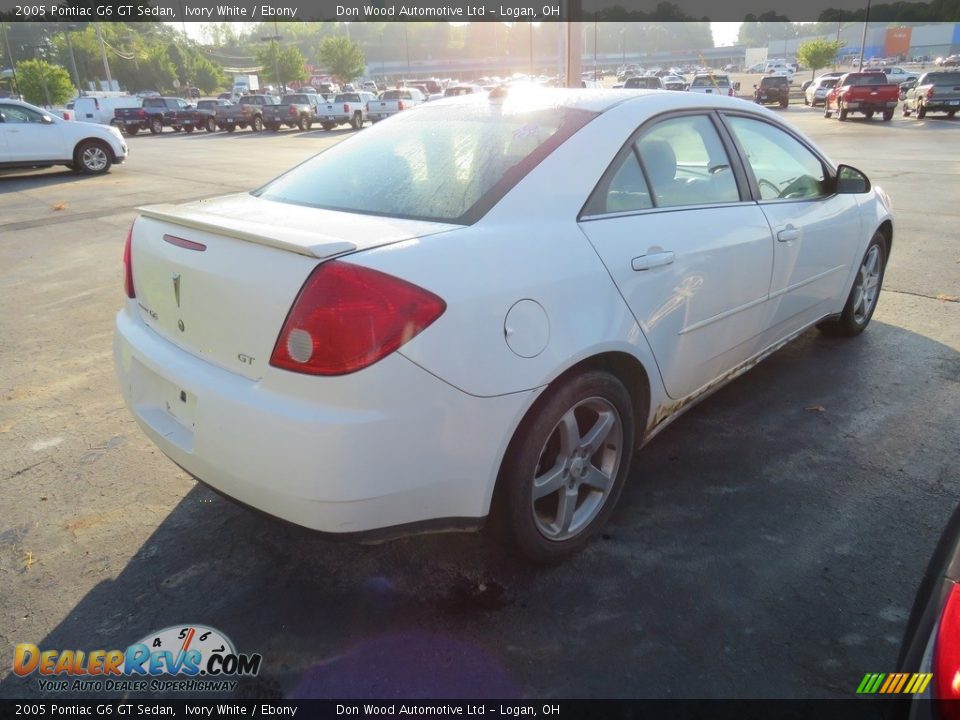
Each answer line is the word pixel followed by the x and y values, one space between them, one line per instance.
pixel 894 683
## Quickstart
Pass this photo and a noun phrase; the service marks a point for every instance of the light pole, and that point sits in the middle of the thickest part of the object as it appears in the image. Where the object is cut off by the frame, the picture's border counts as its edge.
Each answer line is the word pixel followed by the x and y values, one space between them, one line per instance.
pixel 863 38
pixel 13 65
pixel 274 39
pixel 73 59
pixel 103 56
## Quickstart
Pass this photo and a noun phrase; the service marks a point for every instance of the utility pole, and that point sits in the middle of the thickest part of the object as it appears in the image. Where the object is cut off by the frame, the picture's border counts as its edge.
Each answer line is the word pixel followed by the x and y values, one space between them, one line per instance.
pixel 103 55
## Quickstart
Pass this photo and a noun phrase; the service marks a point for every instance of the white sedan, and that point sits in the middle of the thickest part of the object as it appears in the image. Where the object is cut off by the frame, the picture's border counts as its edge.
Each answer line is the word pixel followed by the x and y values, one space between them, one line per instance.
pixel 485 305
pixel 31 137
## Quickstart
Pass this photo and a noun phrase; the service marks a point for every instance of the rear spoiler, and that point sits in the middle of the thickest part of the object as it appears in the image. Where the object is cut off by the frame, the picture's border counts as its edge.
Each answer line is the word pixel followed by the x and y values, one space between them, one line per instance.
pixel 311 244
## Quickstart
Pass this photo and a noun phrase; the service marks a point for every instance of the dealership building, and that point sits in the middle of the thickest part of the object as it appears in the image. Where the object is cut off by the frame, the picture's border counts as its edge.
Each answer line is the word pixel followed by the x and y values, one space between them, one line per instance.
pixel 933 41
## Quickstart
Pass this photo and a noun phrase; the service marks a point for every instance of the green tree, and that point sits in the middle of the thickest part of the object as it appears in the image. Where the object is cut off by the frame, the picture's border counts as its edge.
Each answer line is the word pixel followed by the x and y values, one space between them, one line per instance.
pixel 43 83
pixel 343 58
pixel 289 60
pixel 818 53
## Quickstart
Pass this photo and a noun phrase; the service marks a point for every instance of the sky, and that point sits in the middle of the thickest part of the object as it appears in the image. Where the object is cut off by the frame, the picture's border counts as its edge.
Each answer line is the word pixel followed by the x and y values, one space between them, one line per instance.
pixel 724 33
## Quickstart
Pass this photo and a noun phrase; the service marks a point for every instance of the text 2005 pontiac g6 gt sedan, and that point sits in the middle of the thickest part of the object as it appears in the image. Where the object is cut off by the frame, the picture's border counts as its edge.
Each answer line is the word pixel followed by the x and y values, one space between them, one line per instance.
pixel 485 304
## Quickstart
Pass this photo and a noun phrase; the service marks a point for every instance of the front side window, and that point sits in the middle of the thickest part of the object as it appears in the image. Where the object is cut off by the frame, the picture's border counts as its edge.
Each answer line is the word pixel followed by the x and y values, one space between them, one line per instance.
pixel 783 168
pixel 17 114
pixel 444 163
pixel 686 164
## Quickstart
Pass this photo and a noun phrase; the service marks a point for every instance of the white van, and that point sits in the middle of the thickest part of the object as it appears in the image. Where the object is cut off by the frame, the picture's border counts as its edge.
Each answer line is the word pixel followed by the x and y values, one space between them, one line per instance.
pixel 100 109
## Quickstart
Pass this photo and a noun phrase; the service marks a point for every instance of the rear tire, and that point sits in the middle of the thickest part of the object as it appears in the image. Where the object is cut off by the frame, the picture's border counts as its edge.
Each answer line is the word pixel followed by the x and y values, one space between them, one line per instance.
pixel 303 123
pixel 257 125
pixel 156 126
pixel 356 122
pixel 211 125
pixel 327 126
pixel 784 103
pixel 566 467
pixel 869 114
pixel 864 294
pixel 188 128
pixel 92 157
pixel 826 111
pixel 231 128
pixel 904 110
pixel 887 115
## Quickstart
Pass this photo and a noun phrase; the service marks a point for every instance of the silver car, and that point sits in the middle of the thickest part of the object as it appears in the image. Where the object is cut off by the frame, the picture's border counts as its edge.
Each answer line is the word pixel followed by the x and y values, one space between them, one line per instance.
pixel 816 92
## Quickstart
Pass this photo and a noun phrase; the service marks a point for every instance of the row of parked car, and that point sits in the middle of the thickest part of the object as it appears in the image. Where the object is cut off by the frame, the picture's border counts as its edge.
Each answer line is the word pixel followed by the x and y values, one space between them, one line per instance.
pixel 875 92
pixel 260 112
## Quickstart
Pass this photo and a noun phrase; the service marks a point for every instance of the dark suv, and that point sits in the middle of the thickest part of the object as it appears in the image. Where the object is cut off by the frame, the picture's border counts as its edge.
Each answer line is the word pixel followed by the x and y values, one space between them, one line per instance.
pixel 772 90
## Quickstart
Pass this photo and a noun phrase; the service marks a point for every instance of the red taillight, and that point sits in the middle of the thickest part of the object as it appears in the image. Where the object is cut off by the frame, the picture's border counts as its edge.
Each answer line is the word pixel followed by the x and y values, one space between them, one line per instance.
pixel 347 317
pixel 930 93
pixel 142 113
pixel 946 658
pixel 730 92
pixel 128 264
pixel 346 107
pixel 399 104
pixel 293 110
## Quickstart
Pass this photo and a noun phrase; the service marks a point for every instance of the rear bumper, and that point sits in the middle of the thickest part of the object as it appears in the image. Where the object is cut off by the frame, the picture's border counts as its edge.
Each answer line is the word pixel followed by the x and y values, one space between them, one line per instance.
pixel 869 105
pixel 946 105
pixel 387 446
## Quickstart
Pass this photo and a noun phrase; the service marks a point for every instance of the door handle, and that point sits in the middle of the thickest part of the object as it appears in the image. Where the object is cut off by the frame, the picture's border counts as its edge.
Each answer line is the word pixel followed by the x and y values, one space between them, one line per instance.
pixel 788 233
pixel 646 262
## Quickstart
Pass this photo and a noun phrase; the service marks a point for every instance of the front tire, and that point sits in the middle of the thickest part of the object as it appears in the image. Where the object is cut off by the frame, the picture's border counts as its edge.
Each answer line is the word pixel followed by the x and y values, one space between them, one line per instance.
pixel 864 294
pixel 93 157
pixel 566 467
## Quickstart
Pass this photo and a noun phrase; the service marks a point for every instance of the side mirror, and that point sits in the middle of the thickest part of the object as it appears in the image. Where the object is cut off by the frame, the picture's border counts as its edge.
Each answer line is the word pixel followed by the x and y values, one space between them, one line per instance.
pixel 46 120
pixel 851 181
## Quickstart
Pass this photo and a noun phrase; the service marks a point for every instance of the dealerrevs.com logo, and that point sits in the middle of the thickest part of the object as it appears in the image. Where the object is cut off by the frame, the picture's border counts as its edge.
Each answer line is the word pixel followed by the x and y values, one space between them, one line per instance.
pixel 180 658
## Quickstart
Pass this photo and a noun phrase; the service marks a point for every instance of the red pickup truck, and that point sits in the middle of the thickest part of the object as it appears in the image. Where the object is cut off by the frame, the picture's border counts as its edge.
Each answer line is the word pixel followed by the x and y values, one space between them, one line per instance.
pixel 862 92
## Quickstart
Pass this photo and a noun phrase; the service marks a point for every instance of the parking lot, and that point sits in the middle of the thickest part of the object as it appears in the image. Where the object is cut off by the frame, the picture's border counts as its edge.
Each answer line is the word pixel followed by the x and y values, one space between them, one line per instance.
pixel 768 544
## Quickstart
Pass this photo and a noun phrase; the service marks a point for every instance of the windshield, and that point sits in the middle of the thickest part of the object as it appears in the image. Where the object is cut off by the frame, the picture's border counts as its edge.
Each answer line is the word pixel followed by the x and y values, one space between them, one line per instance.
pixel 447 163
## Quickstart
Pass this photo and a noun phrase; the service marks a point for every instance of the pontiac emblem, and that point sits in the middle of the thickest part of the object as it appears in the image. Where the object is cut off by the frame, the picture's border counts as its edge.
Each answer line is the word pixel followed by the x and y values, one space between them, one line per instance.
pixel 176 287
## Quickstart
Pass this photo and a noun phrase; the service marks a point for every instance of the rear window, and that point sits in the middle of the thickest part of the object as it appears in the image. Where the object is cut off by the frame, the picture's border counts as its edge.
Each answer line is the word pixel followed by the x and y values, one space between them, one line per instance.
pixel 711 81
pixel 347 97
pixel 395 95
pixel 828 82
pixel 445 163
pixel 944 78
pixel 868 79
pixel 773 81
pixel 207 104
pixel 295 100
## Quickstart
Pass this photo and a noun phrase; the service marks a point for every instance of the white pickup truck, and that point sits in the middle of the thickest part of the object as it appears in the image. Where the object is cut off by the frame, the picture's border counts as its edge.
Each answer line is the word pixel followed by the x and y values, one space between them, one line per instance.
pixel 393 101
pixel 346 107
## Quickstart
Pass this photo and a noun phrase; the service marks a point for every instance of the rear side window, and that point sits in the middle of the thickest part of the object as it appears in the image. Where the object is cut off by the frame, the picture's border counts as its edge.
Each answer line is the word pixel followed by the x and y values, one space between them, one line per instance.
pixel 625 189
pixel 447 164
pixel 686 163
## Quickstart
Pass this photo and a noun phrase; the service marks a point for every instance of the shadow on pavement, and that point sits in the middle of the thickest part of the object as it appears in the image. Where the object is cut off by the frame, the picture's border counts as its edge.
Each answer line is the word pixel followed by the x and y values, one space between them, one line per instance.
pixel 768 544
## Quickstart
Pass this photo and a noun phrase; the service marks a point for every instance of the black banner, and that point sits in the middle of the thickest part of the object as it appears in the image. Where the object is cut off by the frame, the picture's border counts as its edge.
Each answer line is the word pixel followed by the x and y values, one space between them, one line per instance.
pixel 471 10
pixel 853 709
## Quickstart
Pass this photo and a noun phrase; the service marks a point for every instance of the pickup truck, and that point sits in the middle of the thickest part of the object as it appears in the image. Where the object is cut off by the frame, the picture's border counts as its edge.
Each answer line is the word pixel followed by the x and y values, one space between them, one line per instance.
pixel 156 113
pixel 248 112
pixel 297 110
pixel 393 101
pixel 862 92
pixel 937 91
pixel 346 108
pixel 209 107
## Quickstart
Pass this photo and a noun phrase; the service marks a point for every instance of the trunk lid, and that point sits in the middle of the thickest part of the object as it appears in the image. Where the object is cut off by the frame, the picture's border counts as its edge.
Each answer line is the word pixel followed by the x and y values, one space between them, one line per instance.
pixel 217 278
